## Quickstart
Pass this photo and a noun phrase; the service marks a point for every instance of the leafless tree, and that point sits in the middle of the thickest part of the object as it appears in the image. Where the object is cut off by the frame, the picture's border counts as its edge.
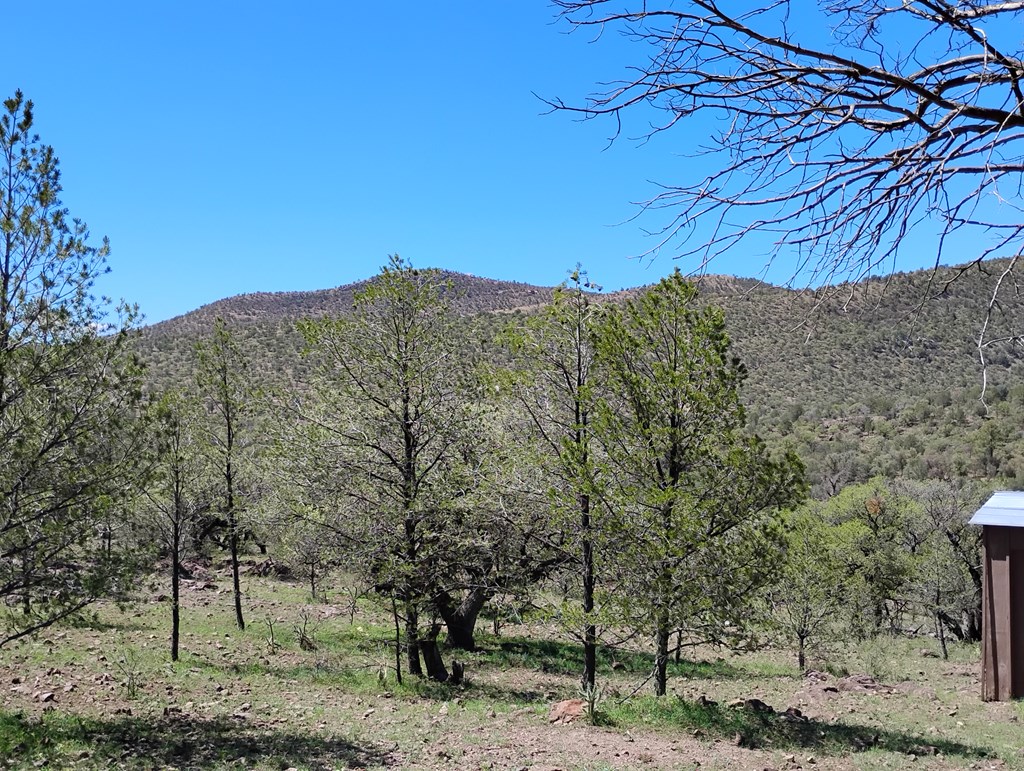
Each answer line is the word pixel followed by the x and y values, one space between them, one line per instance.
pixel 850 131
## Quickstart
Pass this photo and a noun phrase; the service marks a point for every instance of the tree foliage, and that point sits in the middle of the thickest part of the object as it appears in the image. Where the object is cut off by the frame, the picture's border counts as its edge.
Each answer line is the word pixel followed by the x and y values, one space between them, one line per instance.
pixel 556 390
pixel 69 395
pixel 179 494
pixel 808 598
pixel 222 377
pixel 697 497
pixel 395 420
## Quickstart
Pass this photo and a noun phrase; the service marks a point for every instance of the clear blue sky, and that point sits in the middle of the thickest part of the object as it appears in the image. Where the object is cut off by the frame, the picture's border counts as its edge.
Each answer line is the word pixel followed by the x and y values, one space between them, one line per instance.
pixel 229 147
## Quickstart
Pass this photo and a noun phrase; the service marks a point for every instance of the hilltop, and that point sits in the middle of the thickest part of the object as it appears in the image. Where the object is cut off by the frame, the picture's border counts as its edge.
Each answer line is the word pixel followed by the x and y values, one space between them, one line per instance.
pixel 881 376
pixel 472 294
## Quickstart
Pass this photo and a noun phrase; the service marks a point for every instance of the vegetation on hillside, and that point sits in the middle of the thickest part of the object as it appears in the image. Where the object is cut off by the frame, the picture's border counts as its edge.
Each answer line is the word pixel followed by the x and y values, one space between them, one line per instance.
pixel 625 471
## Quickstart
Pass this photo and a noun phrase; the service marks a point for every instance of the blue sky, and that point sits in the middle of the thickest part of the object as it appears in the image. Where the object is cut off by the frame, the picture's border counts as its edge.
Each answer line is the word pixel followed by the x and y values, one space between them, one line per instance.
pixel 229 147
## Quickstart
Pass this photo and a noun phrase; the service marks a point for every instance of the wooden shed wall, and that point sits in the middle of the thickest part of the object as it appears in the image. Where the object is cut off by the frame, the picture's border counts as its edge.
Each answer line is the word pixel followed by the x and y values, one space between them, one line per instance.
pixel 1002 648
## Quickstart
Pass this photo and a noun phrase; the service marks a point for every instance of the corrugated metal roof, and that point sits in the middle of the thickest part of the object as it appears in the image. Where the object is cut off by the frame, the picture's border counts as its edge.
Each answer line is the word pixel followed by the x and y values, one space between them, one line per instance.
pixel 1005 508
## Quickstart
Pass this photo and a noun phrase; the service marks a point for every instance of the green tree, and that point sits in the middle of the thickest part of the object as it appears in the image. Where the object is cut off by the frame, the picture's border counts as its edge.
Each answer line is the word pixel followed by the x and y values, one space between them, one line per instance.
pixel 698 497
pixel 881 559
pixel 69 398
pixel 947 576
pixel 225 384
pixel 394 416
pixel 178 494
pixel 810 593
pixel 555 391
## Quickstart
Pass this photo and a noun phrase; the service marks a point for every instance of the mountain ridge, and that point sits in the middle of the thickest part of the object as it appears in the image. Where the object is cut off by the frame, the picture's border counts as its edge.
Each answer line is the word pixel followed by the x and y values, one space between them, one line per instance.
pixel 506 295
pixel 874 377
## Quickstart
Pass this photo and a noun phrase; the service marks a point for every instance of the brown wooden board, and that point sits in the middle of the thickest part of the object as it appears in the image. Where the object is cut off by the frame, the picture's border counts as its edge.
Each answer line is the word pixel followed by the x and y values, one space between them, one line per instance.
pixel 1002 649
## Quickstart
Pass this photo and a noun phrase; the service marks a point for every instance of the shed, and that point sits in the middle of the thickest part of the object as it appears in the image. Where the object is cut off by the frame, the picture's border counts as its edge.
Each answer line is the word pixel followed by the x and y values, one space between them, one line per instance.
pixel 1002 596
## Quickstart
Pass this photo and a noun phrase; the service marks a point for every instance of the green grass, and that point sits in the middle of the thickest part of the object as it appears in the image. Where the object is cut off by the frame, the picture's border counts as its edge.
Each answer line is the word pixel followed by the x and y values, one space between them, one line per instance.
pixel 751 728
pixel 566 658
pixel 341 705
pixel 145 743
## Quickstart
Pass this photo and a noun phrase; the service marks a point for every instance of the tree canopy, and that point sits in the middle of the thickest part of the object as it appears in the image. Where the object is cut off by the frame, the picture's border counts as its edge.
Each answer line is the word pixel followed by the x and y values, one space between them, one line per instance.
pixel 69 391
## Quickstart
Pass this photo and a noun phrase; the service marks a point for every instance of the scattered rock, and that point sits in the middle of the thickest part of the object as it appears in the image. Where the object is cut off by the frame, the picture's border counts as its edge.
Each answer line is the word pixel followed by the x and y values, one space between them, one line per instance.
pixel 754 705
pixel 862 684
pixel 566 711
pixel 793 715
pixel 865 743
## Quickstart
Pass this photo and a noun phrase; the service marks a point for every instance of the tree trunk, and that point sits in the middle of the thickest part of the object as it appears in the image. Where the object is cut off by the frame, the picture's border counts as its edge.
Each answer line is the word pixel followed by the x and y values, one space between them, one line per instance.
pixel 233 537
pixel 878 616
pixel 589 629
pixel 953 625
pixel 432 655
pixel 412 644
pixel 175 602
pixel 801 652
pixel 661 660
pixel 941 633
pixel 973 625
pixel 398 640
pixel 461 621
pixel 234 575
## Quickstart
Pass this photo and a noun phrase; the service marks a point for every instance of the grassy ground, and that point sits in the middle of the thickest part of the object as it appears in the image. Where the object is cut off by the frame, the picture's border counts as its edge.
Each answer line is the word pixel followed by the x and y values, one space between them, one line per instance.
pixel 104 695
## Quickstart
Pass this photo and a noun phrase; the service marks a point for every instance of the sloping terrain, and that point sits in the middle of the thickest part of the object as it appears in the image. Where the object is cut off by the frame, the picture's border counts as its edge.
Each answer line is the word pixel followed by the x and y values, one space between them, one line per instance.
pixel 880 377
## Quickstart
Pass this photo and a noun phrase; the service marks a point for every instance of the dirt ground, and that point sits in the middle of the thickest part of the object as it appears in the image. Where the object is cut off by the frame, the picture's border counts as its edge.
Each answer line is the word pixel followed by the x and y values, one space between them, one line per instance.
pixel 236 702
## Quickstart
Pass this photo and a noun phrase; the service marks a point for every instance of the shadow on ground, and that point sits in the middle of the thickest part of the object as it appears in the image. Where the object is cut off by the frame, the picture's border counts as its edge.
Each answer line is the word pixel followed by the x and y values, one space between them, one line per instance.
pixel 566 658
pixel 756 728
pixel 179 741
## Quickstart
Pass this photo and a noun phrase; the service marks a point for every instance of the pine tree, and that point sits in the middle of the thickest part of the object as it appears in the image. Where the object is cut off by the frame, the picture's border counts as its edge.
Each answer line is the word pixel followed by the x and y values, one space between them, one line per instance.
pixel 69 398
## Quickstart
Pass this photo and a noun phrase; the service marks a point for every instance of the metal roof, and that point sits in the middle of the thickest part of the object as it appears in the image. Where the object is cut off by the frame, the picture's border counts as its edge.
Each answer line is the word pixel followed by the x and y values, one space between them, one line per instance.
pixel 1005 508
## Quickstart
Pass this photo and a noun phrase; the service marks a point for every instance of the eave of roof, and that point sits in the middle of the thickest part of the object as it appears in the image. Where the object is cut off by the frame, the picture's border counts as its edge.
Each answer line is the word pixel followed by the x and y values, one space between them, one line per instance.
pixel 1005 509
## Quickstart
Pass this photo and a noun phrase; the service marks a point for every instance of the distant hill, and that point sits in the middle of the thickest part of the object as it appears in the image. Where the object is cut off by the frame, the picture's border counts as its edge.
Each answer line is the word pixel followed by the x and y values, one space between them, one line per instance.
pixel 881 376
pixel 472 295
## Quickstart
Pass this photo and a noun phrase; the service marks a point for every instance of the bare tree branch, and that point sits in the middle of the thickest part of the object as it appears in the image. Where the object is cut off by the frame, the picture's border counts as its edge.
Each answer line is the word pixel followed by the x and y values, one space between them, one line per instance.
pixel 847 139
